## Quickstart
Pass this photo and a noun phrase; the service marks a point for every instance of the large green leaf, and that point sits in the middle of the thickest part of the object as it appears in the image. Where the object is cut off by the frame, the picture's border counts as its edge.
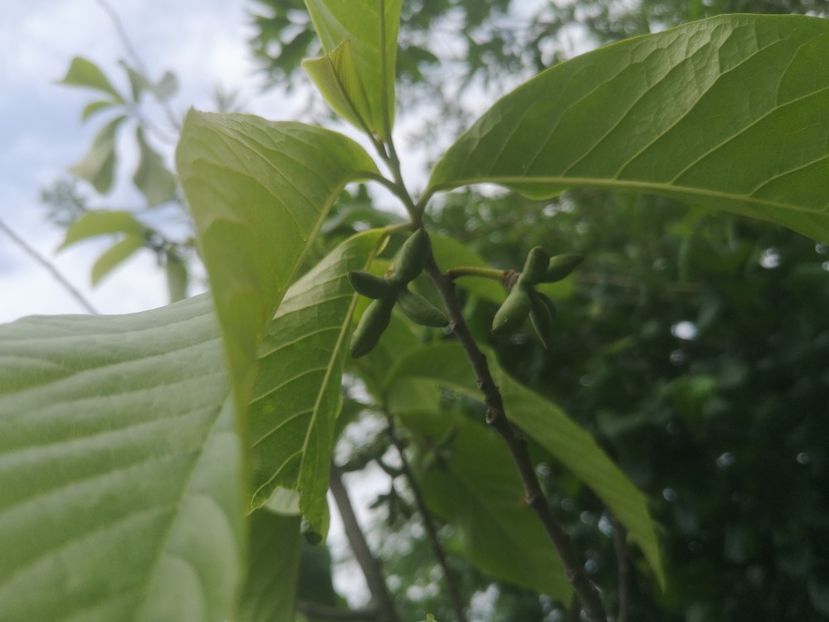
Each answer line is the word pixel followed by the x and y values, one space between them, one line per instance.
pixel 478 491
pixel 121 472
pixel 553 430
pixel 357 73
pixel 729 113
pixel 269 593
pixel 258 192
pixel 297 395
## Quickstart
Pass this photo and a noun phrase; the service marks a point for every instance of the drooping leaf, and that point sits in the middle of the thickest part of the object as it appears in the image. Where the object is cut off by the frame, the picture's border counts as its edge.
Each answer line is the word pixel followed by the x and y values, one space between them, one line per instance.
pixel 98 165
pixel 152 177
pixel 120 469
pixel 553 430
pixel 477 490
pixel 101 222
pixel 297 395
pixel 360 41
pixel 114 256
pixel 258 192
pixel 269 593
pixel 728 113
pixel 85 73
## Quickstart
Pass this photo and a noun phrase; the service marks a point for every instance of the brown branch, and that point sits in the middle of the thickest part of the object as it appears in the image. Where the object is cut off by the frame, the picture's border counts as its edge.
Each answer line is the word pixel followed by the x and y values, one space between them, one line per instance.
pixel 622 570
pixel 496 417
pixel 369 564
pixel 429 524
pixel 49 267
pixel 325 612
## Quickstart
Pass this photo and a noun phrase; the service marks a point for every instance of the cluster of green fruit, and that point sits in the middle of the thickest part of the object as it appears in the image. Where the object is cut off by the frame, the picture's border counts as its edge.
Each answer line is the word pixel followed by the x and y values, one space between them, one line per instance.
pixel 393 289
pixel 525 300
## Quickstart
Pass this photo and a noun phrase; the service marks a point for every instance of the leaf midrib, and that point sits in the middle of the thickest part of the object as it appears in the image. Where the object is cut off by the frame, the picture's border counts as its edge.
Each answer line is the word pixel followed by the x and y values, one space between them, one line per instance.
pixel 620 184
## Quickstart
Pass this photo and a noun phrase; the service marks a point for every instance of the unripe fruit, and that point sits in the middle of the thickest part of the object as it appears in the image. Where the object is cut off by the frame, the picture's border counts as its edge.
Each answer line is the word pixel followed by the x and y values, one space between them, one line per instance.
pixel 535 267
pixel 421 311
pixel 542 314
pixel 370 286
pixel 374 321
pixel 561 266
pixel 513 312
pixel 412 257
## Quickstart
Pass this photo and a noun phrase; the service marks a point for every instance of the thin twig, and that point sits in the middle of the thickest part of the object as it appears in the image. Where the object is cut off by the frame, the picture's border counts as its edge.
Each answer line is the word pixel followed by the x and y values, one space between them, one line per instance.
pixel 369 564
pixel 45 263
pixel 622 570
pixel 517 445
pixel 316 611
pixel 428 523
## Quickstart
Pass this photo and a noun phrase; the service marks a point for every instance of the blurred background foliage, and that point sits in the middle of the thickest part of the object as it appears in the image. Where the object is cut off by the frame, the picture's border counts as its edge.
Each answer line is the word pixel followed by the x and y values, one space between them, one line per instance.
pixel 693 345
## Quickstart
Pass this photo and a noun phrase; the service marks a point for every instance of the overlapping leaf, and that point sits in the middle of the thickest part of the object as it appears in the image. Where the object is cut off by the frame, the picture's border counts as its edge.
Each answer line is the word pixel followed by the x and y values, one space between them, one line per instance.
pixel 553 430
pixel 730 113
pixel 258 192
pixel 297 395
pixel 120 469
pixel 477 490
pixel 269 593
pixel 357 73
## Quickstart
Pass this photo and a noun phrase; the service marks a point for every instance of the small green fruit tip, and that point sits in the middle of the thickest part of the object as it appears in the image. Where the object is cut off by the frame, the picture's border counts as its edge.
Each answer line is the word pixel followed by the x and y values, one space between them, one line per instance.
pixel 535 265
pixel 560 266
pixel 412 257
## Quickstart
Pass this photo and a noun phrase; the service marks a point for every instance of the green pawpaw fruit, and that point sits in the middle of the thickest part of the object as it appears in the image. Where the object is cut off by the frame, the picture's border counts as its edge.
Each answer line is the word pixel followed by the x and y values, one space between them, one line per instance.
pixel 374 321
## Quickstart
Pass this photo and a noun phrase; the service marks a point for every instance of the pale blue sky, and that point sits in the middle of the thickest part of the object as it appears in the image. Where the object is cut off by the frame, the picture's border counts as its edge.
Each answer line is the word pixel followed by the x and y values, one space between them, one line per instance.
pixel 202 41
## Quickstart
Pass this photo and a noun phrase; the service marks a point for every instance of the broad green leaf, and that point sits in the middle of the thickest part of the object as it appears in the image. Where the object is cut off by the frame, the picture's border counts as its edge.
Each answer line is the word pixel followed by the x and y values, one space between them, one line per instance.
pixel 98 165
pixel 152 178
pixel 101 222
pixel 269 593
pixel 554 431
pixel 297 395
pixel 94 107
pixel 728 113
pixel 121 471
pixel 258 192
pixel 85 73
pixel 357 74
pixel 478 491
pixel 113 257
